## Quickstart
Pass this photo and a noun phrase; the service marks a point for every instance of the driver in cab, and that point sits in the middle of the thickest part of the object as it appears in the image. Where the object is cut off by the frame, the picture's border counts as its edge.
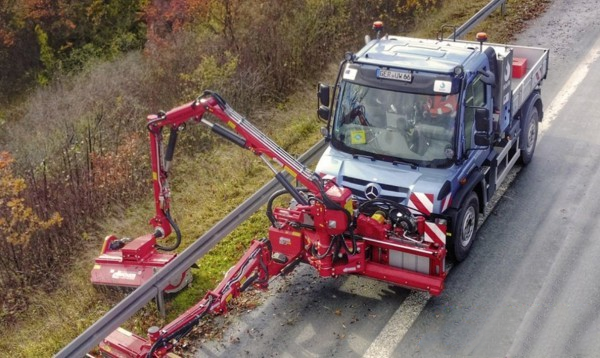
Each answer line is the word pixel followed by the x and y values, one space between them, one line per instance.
pixel 438 118
pixel 438 106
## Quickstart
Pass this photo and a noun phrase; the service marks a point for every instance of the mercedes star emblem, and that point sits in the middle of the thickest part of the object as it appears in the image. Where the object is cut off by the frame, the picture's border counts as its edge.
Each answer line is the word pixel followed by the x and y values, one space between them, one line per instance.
pixel 372 191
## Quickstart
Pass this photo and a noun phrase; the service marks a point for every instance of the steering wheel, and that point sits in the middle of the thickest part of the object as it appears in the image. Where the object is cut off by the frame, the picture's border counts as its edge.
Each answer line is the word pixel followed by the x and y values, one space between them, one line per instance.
pixel 359 113
pixel 416 142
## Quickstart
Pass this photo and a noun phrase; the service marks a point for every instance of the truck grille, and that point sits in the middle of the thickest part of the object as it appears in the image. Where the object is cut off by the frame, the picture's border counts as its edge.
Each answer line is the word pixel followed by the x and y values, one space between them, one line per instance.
pixel 390 192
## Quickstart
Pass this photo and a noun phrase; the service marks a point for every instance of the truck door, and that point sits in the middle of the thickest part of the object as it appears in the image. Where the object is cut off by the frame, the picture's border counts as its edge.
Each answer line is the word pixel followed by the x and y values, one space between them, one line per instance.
pixel 477 95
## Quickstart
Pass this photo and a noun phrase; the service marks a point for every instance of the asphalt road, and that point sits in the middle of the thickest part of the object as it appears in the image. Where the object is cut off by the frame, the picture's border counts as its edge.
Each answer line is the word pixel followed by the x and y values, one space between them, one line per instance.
pixel 530 286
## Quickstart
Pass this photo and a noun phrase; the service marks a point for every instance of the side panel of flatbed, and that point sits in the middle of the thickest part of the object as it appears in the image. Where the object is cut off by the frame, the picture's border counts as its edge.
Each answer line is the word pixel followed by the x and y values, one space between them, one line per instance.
pixel 537 68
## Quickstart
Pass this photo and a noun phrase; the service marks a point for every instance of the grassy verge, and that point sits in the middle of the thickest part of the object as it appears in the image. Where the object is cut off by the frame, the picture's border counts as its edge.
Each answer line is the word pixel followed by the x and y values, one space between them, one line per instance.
pixel 206 188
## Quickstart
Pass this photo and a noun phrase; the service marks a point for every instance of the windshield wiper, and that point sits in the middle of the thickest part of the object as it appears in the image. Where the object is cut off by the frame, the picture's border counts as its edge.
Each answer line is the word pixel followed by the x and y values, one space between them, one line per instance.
pixel 439 163
pixel 370 157
pixel 394 162
pixel 411 164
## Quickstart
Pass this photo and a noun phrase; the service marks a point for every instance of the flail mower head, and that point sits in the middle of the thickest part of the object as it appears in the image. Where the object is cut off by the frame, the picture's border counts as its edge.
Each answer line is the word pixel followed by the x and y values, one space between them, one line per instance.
pixel 130 263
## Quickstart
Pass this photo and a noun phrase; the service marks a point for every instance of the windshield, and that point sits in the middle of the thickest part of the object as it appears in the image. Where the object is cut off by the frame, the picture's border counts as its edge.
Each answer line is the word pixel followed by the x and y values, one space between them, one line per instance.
pixel 396 126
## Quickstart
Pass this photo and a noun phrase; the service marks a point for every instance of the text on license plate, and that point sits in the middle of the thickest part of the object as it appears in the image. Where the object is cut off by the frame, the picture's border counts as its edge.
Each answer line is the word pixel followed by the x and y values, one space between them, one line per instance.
pixel 395 75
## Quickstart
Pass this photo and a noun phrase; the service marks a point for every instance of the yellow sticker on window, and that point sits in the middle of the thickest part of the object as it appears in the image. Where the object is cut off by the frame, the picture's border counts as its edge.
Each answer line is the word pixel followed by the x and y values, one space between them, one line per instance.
pixel 358 136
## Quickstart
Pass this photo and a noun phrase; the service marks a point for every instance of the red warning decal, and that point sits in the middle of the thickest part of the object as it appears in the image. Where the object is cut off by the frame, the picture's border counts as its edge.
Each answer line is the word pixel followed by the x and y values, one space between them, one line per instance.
pixel 435 233
pixel 421 202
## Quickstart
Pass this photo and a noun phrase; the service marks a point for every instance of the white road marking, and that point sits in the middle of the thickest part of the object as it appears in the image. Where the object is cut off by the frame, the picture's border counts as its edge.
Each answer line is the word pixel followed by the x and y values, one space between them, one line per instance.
pixel 406 315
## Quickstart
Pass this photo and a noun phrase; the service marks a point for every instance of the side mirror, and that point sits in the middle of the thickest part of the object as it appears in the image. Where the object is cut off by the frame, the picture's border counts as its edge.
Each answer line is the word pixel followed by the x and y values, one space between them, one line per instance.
pixel 482 139
pixel 323 112
pixel 488 77
pixel 323 94
pixel 482 120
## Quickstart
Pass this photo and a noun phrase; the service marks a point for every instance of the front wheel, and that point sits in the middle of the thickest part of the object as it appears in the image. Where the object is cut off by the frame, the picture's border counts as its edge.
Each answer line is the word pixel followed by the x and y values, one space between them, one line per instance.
pixel 528 137
pixel 465 228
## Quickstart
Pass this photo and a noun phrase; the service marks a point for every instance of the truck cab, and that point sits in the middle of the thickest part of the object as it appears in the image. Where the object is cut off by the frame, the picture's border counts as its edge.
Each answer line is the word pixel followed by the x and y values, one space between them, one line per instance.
pixel 431 124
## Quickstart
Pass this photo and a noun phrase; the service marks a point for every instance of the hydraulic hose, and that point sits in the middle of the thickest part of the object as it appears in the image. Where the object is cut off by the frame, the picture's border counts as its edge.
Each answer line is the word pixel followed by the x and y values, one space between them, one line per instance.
pixel 177 233
pixel 270 215
pixel 180 333
pixel 277 194
pixel 315 253
pixel 379 202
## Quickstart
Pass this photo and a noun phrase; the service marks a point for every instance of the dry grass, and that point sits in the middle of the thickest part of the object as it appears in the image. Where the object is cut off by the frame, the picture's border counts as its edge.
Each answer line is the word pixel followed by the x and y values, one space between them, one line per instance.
pixel 52 318
pixel 206 187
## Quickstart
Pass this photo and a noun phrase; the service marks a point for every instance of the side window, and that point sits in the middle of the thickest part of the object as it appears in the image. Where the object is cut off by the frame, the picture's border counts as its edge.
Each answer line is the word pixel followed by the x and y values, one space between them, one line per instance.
pixel 475 97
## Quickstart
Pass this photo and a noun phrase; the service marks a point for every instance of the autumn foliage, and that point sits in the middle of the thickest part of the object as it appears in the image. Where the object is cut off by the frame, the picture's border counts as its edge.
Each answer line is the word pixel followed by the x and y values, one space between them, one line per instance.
pixel 18 222
pixel 41 38
pixel 21 227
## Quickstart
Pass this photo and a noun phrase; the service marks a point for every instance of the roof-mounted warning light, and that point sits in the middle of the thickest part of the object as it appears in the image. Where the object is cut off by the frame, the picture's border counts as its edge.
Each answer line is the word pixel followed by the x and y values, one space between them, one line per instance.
pixel 481 37
pixel 378 27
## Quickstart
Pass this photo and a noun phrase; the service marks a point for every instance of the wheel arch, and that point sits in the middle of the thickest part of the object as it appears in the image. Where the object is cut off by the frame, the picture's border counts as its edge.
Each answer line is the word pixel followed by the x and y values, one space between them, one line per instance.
pixel 534 100
pixel 475 183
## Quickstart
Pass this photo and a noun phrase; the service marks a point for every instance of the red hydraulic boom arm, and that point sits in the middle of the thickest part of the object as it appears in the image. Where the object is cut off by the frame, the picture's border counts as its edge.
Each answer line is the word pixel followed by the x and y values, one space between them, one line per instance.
pixel 248 137
pixel 129 263
pixel 324 226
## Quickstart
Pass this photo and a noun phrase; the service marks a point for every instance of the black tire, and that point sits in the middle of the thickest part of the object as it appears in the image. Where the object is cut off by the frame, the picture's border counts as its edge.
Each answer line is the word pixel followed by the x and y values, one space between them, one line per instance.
pixel 464 228
pixel 529 135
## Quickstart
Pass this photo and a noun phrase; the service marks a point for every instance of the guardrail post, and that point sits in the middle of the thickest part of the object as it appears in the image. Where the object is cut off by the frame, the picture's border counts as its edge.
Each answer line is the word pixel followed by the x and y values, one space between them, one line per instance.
pixel 160 303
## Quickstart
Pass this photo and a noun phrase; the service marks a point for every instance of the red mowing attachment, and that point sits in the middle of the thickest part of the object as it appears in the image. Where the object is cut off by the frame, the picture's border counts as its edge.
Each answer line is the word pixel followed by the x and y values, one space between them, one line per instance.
pixel 324 227
pixel 133 264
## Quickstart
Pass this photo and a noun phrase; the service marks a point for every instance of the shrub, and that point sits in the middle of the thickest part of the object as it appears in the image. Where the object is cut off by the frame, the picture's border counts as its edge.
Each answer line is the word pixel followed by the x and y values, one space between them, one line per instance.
pixel 22 228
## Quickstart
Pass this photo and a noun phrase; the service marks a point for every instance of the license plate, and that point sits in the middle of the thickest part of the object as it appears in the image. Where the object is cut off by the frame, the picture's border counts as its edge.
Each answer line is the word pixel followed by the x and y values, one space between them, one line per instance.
pixel 404 76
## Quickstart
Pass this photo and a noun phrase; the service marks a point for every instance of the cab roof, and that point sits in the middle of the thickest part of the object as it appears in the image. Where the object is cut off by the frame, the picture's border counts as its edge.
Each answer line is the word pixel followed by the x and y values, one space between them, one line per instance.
pixel 417 54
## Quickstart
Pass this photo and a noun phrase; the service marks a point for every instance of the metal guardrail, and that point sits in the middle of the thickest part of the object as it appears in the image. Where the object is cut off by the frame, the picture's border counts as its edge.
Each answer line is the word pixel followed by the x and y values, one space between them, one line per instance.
pixel 153 287
pixel 479 16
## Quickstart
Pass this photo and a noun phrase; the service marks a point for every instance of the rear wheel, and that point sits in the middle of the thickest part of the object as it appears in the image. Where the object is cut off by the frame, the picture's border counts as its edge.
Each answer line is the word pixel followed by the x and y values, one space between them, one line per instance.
pixel 529 136
pixel 465 228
